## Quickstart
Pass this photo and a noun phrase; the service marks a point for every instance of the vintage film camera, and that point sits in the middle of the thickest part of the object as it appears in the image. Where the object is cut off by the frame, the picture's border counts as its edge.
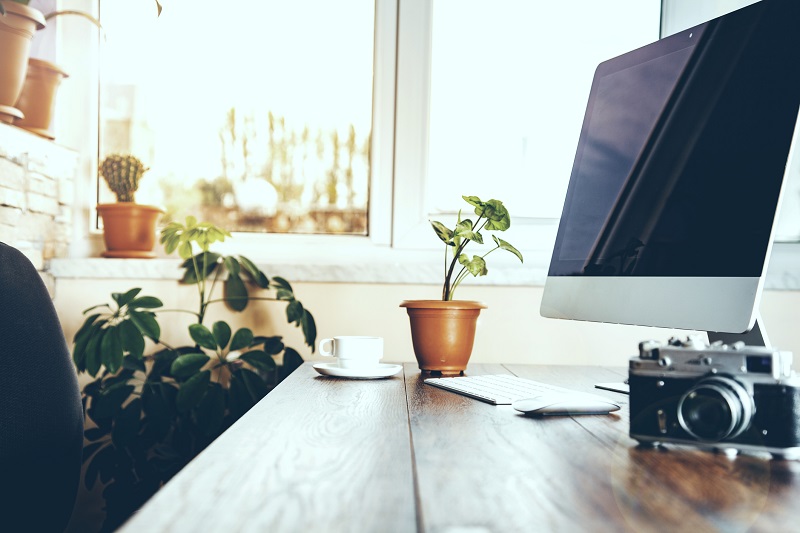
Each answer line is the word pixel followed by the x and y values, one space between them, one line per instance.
pixel 724 397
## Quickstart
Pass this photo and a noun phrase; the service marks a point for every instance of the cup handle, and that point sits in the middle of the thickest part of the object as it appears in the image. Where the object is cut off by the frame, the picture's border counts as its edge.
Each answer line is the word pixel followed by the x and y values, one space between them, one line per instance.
pixel 322 350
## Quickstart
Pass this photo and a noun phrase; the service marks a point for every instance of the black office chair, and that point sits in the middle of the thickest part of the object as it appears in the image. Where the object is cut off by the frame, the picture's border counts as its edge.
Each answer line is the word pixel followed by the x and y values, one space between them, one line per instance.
pixel 41 418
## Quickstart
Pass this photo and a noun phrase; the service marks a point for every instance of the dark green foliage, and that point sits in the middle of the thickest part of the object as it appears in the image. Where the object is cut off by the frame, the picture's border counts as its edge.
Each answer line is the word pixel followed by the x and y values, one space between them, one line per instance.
pixel 156 411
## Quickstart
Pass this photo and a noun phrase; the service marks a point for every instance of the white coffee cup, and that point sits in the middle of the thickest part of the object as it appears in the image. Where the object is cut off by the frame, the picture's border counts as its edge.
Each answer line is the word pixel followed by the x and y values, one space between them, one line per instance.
pixel 353 351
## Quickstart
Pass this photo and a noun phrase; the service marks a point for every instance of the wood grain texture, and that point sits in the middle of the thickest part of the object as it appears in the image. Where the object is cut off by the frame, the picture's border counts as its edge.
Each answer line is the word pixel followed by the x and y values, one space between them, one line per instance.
pixel 316 454
pixel 322 454
pixel 488 468
pixel 491 468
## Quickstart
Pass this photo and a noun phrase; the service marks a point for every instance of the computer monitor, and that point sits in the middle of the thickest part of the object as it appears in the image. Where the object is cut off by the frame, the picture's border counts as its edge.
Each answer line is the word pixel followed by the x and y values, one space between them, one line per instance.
pixel 674 192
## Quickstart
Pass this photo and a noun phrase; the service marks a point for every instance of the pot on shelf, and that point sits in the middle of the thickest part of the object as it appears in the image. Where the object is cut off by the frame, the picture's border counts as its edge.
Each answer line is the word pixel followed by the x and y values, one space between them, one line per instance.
pixel 38 97
pixel 16 32
pixel 129 229
pixel 443 333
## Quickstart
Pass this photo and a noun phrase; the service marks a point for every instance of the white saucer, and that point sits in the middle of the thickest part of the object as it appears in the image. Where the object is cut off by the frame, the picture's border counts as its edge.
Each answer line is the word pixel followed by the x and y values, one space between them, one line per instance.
pixel 381 370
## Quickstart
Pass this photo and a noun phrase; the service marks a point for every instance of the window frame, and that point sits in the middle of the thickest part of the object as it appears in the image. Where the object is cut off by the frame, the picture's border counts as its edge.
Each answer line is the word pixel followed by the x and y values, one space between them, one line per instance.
pixel 399 237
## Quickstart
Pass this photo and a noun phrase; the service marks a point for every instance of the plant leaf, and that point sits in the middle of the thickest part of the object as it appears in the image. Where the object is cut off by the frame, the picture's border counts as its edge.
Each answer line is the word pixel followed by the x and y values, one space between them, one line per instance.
pixel 473 200
pixel 110 401
pixel 210 412
pixel 291 361
pixel 222 333
pixel 506 246
pixel 131 338
pixel 147 324
pixel 145 302
pixel 499 219
pixel 232 265
pixel 188 365
pixel 111 350
pixel 281 283
pixel 258 277
pixel 86 326
pixel 202 336
pixel 192 391
pixel 251 388
pixel 476 266
pixel 82 340
pixel 159 404
pixel 443 232
pixel 185 250
pixel 294 311
pixel 260 360
pixel 309 329
pixel 134 363
pixel 464 230
pixel 209 259
pixel 127 423
pixel 93 359
pixel 283 294
pixel 162 361
pixel 124 299
pixel 235 293
pixel 241 339
pixel 272 345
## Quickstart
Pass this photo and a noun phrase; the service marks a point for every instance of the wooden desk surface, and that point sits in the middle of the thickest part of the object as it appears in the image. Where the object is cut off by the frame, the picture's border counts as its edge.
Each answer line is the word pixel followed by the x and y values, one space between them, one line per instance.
pixel 325 454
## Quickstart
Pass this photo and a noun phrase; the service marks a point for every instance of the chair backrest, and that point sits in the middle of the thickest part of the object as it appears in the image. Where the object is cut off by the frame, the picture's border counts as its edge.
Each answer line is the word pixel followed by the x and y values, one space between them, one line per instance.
pixel 41 417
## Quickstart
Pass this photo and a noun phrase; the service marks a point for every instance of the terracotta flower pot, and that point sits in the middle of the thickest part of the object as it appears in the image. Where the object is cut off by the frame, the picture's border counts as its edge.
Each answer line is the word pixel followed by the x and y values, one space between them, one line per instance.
pixel 443 333
pixel 38 96
pixel 129 229
pixel 16 31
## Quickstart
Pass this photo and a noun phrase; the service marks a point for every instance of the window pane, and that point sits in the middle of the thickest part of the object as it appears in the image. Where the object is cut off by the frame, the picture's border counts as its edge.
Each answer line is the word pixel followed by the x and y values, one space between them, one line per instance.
pixel 254 114
pixel 509 84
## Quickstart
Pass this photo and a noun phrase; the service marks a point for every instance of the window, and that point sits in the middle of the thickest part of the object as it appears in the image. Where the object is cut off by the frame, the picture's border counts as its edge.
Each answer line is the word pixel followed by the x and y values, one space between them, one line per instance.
pixel 255 115
pixel 464 97
pixel 492 100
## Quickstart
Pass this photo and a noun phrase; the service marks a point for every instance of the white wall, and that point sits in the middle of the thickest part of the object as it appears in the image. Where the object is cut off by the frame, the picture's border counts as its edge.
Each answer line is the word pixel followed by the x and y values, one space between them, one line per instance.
pixel 509 331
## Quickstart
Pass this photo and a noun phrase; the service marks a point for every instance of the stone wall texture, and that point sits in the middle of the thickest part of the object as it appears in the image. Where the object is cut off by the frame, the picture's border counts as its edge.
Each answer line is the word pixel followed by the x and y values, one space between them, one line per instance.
pixel 37 180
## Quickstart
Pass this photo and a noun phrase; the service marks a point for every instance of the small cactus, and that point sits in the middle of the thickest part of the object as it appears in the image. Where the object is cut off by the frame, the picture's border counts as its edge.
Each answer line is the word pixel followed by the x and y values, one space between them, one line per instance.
pixel 122 173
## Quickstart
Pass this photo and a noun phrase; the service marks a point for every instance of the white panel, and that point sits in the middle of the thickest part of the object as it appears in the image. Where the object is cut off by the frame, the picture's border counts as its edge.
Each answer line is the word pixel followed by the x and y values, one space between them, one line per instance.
pixel 506 84
pixel 711 304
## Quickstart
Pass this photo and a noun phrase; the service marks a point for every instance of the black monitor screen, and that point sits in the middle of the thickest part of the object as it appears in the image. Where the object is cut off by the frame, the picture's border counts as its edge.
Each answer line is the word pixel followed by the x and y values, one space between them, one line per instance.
pixel 683 151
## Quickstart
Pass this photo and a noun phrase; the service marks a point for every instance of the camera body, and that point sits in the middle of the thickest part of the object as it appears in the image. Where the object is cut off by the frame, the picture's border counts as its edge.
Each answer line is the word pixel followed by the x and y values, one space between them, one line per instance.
pixel 723 397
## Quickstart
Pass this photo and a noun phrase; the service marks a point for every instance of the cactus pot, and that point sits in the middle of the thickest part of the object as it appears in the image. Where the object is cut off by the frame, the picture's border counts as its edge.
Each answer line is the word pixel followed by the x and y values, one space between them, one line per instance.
pixel 38 97
pixel 129 229
pixel 443 333
pixel 16 32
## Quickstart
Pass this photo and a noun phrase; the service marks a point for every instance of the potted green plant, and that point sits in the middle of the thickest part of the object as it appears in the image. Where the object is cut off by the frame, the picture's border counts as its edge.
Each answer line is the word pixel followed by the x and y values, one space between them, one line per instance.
pixel 148 414
pixel 18 23
pixel 36 100
pixel 129 229
pixel 443 331
pixel 38 95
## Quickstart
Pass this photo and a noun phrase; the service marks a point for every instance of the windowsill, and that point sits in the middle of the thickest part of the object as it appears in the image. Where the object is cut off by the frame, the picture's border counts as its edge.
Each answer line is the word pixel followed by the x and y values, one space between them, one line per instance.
pixel 367 264
pixel 350 260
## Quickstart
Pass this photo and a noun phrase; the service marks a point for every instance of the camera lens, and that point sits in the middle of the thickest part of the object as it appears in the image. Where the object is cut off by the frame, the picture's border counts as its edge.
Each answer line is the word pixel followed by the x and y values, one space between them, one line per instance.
pixel 715 409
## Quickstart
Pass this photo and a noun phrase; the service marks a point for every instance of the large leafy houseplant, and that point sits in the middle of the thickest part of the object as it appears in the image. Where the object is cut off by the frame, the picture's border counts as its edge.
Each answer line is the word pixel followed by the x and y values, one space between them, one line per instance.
pixel 155 411
pixel 443 331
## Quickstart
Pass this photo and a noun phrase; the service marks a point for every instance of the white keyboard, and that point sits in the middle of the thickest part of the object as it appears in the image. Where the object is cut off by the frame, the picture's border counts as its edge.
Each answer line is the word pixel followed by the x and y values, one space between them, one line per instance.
pixel 501 389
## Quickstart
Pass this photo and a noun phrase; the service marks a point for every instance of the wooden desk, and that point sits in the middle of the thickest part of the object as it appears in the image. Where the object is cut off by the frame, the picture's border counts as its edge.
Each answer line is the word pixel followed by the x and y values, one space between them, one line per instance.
pixel 324 454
